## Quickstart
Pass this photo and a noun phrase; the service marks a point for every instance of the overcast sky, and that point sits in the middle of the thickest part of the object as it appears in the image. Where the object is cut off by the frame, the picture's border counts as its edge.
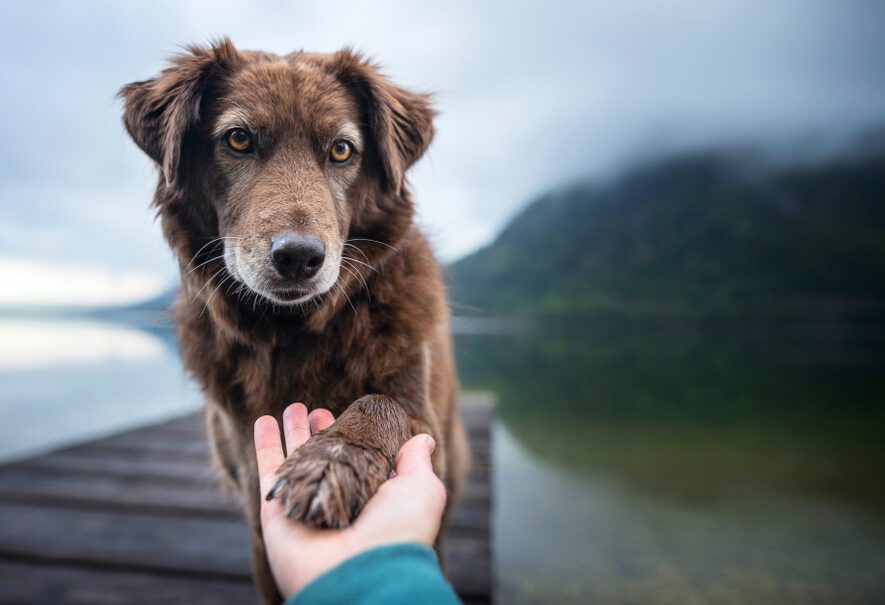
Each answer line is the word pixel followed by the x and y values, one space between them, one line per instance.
pixel 531 96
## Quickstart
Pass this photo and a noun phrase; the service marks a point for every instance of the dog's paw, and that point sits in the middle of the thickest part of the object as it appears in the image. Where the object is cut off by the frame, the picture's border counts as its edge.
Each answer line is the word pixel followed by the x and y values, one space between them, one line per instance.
pixel 326 482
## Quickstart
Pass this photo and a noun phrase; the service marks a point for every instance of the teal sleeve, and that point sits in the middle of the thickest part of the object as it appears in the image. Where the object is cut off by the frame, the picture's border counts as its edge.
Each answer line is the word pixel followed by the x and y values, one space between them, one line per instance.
pixel 404 573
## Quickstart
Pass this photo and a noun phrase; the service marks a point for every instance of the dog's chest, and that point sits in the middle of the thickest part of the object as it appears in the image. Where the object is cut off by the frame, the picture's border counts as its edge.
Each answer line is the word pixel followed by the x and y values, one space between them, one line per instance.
pixel 318 372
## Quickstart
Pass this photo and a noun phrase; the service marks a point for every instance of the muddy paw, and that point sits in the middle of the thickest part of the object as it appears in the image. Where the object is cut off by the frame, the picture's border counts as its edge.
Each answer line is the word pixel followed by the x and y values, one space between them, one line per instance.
pixel 326 482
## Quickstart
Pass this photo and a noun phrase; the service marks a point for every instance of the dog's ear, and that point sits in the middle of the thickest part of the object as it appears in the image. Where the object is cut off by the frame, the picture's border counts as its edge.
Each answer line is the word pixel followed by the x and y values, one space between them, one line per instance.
pixel 160 113
pixel 401 121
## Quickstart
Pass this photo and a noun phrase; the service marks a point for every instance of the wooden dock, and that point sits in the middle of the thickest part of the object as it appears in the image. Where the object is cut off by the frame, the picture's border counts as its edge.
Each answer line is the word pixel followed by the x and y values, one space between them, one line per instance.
pixel 136 518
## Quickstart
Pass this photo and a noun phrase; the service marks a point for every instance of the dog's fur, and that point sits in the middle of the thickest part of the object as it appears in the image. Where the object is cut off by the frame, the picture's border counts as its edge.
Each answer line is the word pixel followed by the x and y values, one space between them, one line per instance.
pixel 375 318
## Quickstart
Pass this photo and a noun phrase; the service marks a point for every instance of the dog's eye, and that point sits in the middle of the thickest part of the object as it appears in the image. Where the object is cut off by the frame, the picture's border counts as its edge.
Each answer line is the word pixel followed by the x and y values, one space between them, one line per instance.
pixel 239 140
pixel 341 151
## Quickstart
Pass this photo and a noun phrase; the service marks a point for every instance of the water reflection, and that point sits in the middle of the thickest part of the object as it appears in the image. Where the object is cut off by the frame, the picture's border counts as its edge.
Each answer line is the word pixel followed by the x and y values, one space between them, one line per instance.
pixel 33 344
pixel 67 380
pixel 674 464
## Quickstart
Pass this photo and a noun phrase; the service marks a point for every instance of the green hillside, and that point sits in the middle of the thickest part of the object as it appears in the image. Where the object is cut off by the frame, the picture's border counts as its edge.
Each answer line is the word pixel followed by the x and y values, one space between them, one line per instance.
pixel 701 236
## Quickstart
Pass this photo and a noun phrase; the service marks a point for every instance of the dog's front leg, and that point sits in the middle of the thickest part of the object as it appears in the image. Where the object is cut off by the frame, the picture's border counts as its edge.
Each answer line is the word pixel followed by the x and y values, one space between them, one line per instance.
pixel 326 482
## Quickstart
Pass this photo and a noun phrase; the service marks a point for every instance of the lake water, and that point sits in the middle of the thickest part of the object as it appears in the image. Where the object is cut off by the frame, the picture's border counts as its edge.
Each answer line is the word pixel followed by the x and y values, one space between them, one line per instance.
pixel 633 463
pixel 667 464
pixel 63 381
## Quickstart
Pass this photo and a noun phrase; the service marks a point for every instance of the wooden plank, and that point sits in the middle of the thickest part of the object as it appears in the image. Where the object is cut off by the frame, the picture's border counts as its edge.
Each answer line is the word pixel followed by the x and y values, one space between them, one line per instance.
pixel 115 493
pixel 27 583
pixel 153 464
pixel 170 449
pixel 137 515
pixel 35 583
pixel 20 480
pixel 160 498
pixel 133 489
pixel 204 548
pixel 149 468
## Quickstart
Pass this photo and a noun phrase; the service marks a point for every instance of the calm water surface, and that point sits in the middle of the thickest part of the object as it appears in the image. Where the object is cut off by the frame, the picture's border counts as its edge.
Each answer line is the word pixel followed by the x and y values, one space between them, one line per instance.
pixel 634 464
pixel 63 381
pixel 649 464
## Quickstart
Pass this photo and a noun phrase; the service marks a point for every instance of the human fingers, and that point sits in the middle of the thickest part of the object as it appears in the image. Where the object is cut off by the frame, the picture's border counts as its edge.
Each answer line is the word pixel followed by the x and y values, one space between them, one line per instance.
pixel 407 508
pixel 414 456
pixel 320 419
pixel 268 451
pixel 295 426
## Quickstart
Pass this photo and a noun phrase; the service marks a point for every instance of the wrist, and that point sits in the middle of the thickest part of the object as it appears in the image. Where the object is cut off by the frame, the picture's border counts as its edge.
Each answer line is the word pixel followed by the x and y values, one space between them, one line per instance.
pixel 315 558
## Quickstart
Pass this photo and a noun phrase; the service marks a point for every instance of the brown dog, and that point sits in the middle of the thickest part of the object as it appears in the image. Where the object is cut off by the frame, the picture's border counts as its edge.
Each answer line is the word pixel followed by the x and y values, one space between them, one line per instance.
pixel 282 194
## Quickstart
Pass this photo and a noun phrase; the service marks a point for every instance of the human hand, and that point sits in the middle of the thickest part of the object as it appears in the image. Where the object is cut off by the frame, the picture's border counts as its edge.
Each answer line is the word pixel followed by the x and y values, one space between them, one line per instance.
pixel 406 508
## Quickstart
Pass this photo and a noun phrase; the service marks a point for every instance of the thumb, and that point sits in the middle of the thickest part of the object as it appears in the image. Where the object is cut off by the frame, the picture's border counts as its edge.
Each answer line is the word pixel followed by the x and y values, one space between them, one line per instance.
pixel 414 455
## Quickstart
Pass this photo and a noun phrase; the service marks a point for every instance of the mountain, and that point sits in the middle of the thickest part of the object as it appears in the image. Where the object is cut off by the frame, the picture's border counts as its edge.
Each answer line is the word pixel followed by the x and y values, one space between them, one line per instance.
pixel 154 312
pixel 707 235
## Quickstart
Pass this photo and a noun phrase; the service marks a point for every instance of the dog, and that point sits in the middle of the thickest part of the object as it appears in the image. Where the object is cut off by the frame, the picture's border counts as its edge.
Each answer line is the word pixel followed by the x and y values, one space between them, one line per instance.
pixel 282 193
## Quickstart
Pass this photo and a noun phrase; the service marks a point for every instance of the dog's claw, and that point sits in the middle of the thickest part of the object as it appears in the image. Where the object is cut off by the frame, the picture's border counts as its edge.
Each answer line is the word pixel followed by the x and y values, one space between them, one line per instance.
pixel 275 489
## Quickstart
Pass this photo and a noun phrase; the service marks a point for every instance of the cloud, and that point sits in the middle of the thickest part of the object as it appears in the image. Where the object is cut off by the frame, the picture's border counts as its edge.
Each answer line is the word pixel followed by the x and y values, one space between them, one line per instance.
pixel 531 95
pixel 27 283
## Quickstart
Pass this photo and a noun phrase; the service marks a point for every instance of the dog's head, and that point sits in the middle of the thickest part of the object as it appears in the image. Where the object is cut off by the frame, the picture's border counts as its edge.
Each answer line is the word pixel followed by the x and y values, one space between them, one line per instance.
pixel 282 159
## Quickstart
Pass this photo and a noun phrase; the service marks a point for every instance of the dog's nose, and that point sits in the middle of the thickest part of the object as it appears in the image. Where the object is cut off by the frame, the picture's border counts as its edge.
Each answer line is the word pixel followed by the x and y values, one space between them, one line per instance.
pixel 297 256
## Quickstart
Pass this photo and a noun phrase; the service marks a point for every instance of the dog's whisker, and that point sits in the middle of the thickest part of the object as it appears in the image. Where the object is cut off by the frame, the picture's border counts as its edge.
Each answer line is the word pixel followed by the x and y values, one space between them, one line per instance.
pixel 209 300
pixel 359 276
pixel 208 281
pixel 254 301
pixel 374 241
pixel 262 285
pixel 347 244
pixel 355 260
pixel 214 240
pixel 362 277
pixel 351 273
pixel 318 302
pixel 214 258
pixel 197 253
pixel 233 283
pixel 346 297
